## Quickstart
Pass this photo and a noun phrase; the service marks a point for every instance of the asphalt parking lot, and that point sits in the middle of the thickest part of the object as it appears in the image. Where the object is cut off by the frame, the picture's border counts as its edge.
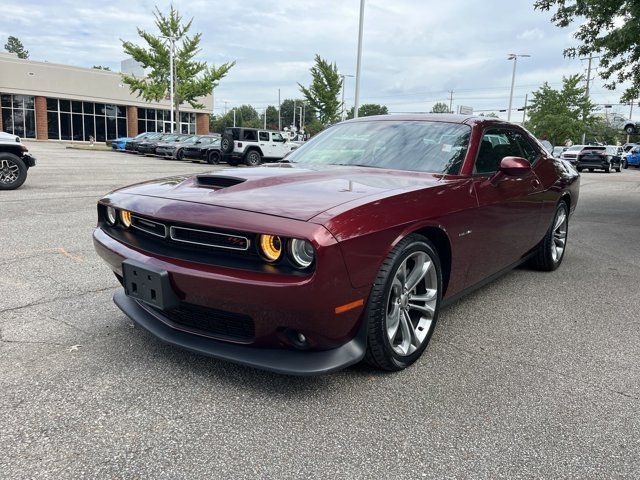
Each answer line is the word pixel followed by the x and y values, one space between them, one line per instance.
pixel 536 375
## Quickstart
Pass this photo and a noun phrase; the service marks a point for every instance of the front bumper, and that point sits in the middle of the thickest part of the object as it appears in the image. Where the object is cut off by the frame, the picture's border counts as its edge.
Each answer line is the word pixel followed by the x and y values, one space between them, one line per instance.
pixel 166 152
pixel 290 362
pixel 29 160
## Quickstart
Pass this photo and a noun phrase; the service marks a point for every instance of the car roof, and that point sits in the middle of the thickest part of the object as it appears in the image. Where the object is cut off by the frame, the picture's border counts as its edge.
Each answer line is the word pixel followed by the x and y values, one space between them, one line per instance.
pixel 437 117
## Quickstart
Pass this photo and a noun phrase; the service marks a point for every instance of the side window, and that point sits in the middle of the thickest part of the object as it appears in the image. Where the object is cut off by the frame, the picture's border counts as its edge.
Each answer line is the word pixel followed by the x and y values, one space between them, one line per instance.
pixel 496 144
pixel 528 150
pixel 276 137
pixel 264 136
pixel 249 135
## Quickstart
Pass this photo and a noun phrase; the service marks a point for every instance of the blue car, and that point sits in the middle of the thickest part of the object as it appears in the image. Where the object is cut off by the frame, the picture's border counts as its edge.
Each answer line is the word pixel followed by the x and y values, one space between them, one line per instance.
pixel 633 158
pixel 119 143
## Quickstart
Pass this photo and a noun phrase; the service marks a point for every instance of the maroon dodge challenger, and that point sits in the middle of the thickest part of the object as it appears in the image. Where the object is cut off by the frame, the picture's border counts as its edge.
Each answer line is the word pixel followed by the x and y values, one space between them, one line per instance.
pixel 345 250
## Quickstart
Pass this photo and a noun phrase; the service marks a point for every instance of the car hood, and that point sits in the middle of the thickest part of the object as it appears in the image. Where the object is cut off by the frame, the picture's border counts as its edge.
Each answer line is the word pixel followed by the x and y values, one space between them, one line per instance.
pixel 282 189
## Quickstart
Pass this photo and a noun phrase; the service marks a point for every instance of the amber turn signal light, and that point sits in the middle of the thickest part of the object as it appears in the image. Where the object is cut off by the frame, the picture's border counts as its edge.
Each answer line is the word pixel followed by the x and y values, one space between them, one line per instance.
pixel 125 218
pixel 270 247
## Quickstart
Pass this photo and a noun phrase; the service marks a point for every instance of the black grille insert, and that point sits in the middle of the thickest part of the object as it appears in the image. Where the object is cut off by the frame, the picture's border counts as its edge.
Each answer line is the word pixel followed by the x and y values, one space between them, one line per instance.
pixel 149 226
pixel 208 238
pixel 210 322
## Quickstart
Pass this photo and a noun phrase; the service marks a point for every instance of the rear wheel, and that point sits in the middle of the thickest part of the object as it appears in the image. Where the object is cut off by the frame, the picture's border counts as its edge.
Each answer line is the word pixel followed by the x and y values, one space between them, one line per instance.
pixel 625 164
pixel 234 162
pixel 403 306
pixel 551 249
pixel 180 155
pixel 253 158
pixel 13 171
pixel 579 169
pixel 607 169
pixel 619 167
pixel 213 158
pixel 630 129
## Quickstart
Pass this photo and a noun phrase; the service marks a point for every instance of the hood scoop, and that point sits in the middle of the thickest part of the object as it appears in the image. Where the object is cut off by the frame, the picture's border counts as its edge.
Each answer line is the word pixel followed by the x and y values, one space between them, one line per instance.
pixel 217 182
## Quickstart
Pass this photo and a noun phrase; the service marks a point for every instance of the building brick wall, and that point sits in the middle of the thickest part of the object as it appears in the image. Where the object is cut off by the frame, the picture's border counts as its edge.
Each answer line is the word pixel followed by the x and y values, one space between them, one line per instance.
pixel 202 123
pixel 132 121
pixel 42 131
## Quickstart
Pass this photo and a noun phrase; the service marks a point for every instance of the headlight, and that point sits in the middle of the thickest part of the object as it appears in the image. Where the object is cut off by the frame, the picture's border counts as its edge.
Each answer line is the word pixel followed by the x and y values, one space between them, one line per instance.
pixel 270 247
pixel 125 218
pixel 112 216
pixel 301 252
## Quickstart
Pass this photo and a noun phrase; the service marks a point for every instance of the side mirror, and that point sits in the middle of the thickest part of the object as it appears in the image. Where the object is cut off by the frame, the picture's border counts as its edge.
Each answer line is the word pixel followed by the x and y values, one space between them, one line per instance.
pixel 515 166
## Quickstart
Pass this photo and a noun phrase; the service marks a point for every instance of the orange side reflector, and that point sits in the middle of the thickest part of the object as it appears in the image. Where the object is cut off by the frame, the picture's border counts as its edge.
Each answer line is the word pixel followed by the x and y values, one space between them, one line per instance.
pixel 350 306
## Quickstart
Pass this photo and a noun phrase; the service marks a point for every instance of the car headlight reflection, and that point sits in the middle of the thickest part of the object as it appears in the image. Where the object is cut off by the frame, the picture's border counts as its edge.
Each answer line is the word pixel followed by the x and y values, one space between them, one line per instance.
pixel 301 252
pixel 125 218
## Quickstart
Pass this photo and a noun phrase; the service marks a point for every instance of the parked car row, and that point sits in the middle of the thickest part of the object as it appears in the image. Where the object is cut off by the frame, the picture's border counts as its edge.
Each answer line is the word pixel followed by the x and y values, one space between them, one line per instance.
pixel 592 157
pixel 236 145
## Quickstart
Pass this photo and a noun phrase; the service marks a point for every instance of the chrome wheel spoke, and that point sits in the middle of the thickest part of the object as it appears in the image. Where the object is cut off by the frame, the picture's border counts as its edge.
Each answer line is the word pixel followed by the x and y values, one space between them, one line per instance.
pixel 411 303
pixel 559 236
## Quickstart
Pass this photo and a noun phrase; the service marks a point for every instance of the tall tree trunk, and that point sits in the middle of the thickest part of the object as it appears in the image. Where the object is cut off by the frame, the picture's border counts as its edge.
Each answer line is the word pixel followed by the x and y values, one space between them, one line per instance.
pixel 176 113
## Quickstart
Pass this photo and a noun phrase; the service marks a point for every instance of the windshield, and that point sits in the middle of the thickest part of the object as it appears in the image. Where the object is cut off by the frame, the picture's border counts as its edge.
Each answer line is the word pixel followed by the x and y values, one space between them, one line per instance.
pixel 420 146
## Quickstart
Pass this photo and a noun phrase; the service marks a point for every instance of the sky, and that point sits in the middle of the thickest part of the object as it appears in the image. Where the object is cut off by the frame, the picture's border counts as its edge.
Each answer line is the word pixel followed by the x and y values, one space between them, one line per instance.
pixel 414 51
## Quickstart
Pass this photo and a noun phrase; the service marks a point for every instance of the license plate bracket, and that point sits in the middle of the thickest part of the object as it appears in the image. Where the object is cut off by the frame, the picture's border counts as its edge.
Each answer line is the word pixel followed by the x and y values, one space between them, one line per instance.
pixel 148 284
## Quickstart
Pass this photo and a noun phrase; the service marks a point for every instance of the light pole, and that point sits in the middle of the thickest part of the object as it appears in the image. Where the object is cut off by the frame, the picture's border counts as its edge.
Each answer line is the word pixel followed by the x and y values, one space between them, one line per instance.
pixel 359 62
pixel 343 76
pixel 514 57
pixel 172 46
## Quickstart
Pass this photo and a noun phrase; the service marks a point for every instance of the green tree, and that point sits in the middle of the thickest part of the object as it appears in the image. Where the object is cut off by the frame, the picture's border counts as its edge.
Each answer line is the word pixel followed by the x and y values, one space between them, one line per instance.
pixel 557 115
pixel 322 94
pixel 286 112
pixel 272 117
pixel 368 110
pixel 100 67
pixel 14 45
pixel 609 28
pixel 192 78
pixel 440 107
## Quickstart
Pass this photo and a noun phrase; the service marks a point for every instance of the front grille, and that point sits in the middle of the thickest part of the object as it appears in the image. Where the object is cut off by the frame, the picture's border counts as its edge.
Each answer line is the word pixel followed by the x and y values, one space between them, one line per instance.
pixel 209 239
pixel 149 226
pixel 210 322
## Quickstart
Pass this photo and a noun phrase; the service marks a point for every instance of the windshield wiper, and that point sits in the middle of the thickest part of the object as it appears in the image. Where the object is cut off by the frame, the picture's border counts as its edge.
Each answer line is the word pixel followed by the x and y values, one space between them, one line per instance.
pixel 354 165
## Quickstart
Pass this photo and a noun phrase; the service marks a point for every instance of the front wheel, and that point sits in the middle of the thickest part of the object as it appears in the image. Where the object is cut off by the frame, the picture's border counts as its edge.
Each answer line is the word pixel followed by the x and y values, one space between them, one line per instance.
pixel 403 306
pixel 607 169
pixel 13 171
pixel 213 158
pixel 630 130
pixel 625 164
pixel 619 168
pixel 550 251
pixel 180 155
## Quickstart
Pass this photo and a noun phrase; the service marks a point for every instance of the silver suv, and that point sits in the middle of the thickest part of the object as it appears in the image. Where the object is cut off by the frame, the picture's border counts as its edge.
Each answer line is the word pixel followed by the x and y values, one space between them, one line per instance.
pixel 253 146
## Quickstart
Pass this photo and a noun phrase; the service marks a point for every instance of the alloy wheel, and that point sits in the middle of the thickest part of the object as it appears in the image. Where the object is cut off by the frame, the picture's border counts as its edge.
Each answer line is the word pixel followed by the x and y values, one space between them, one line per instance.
pixel 411 304
pixel 559 235
pixel 9 172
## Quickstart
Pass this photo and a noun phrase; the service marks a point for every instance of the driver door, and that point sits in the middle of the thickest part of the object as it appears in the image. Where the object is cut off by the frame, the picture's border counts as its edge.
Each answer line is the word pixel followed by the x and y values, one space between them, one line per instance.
pixel 509 208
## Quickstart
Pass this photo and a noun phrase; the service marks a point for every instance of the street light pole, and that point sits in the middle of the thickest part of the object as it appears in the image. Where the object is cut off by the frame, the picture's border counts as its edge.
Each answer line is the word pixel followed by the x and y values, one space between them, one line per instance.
pixel 279 117
pixel 359 61
pixel 342 112
pixel 514 57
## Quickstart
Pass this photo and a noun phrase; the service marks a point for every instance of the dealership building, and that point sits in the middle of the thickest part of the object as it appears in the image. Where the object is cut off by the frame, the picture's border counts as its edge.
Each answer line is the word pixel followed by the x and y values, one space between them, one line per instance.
pixel 49 101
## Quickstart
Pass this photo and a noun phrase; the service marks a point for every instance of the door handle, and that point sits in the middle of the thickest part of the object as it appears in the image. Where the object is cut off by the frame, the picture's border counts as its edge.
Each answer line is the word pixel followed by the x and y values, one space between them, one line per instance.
pixel 535 183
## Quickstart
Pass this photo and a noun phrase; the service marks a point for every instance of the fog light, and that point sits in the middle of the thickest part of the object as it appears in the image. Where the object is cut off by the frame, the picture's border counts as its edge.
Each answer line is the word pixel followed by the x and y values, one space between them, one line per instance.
pixel 270 247
pixel 112 216
pixel 125 217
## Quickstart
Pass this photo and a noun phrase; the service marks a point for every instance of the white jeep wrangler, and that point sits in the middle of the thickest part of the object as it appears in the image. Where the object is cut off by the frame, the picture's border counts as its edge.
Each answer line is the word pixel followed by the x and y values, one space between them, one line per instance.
pixel 14 161
pixel 253 146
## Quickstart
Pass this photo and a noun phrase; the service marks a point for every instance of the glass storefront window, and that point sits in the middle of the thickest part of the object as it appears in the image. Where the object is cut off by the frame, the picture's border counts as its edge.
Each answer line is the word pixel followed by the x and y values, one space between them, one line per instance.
pixel 87 119
pixel 18 115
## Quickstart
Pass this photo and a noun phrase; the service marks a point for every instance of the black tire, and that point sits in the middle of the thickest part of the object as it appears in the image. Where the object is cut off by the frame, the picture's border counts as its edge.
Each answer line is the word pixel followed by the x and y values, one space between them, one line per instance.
pixel 13 171
pixel 213 157
pixel 226 143
pixel 380 352
pixel 591 170
pixel 625 164
pixel 579 169
pixel 619 168
pixel 607 169
pixel 544 259
pixel 630 130
pixel 180 155
pixel 234 162
pixel 253 158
